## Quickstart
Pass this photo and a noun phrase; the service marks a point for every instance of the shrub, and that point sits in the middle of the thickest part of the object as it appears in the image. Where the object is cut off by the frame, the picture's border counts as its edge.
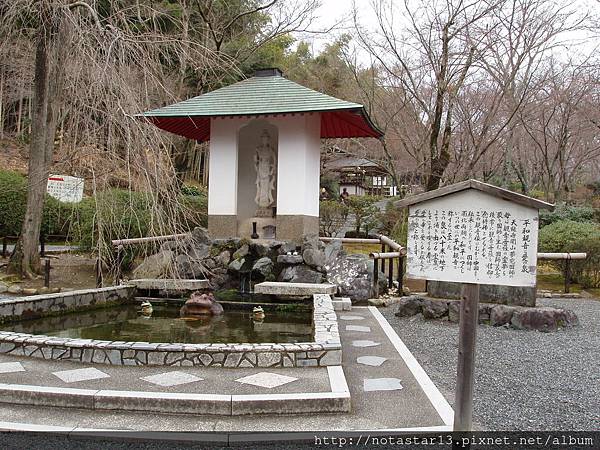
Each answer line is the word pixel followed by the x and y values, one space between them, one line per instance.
pixel 558 236
pixel 364 208
pixel 574 237
pixel 565 212
pixel 13 203
pixel 193 190
pixel 332 186
pixel 194 210
pixel 332 216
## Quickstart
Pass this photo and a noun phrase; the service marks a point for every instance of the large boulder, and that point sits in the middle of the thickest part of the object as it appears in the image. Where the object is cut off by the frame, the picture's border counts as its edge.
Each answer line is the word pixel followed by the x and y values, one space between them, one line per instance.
pixel 155 266
pixel 501 315
pixel 189 267
pixel 263 267
pixel 409 306
pixel 3 287
pixel 223 258
pixel 354 276
pixel 200 236
pixel 333 250
pixel 312 241
pixel 290 259
pixel 314 258
pixel 259 250
pixel 236 265
pixel 242 252
pixel 300 274
pixel 434 309
pixel 542 319
pixel 454 311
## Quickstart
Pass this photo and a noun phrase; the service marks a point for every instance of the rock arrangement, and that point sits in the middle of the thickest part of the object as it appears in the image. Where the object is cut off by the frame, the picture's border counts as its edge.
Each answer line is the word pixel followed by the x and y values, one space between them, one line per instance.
pixel 226 261
pixel 518 317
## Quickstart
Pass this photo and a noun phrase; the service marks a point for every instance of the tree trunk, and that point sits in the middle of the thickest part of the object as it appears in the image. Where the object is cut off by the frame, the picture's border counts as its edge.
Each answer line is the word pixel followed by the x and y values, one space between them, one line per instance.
pixel 25 260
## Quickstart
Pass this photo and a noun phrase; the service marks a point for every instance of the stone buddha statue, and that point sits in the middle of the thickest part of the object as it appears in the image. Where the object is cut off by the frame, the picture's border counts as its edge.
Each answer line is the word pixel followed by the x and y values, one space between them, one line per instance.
pixel 264 162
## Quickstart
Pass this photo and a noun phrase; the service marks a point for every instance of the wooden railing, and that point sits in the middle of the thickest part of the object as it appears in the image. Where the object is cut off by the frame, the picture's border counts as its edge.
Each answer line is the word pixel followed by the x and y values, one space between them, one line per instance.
pixel 567 257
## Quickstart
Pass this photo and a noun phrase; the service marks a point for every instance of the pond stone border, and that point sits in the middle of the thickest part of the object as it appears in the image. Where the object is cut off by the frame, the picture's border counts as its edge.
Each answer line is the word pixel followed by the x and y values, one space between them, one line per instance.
pixel 326 349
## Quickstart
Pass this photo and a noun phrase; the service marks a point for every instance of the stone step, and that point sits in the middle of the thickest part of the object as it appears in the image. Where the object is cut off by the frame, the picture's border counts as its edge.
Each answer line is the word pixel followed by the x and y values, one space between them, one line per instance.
pixel 169 284
pixel 294 289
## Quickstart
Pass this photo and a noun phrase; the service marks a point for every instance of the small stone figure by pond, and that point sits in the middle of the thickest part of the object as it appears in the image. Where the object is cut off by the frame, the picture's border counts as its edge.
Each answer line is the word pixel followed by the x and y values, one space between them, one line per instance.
pixel 146 309
pixel 201 305
pixel 258 313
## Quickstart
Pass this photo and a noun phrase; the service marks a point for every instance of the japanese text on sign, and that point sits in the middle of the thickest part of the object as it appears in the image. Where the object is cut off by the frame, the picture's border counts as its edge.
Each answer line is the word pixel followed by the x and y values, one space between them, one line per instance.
pixel 473 245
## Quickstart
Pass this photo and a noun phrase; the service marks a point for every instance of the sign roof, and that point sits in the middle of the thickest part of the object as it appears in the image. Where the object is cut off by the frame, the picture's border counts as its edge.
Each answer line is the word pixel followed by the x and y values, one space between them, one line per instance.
pixel 480 186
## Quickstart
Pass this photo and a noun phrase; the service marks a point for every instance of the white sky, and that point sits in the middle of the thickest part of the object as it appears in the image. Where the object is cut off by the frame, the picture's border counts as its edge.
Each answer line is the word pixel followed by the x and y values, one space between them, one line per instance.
pixel 333 11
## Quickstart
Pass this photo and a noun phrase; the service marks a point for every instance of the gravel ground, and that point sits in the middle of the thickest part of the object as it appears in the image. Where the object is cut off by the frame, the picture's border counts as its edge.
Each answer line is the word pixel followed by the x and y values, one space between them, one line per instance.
pixel 524 380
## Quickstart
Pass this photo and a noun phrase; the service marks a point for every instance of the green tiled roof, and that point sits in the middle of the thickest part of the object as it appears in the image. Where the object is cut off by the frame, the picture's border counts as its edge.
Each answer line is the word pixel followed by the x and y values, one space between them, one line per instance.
pixel 256 95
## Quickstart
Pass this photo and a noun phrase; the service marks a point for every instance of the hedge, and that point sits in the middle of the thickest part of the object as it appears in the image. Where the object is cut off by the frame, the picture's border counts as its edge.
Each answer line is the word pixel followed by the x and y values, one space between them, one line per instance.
pixel 13 203
pixel 572 236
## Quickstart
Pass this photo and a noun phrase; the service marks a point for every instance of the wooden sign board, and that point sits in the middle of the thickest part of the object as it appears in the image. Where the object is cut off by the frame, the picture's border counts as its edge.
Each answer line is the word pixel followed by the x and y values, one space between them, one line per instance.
pixel 65 188
pixel 471 236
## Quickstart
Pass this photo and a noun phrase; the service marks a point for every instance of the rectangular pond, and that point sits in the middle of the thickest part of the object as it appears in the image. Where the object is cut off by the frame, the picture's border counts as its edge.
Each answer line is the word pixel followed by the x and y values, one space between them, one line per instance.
pixel 126 323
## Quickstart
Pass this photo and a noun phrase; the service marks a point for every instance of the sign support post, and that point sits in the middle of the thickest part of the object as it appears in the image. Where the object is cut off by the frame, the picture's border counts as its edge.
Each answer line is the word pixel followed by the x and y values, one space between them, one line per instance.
pixel 463 400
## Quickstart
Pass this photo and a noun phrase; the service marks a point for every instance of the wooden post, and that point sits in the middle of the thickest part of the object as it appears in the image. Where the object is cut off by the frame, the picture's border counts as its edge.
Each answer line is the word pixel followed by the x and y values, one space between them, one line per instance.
pixel 376 278
pixel 47 273
pixel 400 274
pixel 118 258
pixel 391 273
pixel 383 250
pixel 99 277
pixel 567 275
pixel 463 403
pixel 4 246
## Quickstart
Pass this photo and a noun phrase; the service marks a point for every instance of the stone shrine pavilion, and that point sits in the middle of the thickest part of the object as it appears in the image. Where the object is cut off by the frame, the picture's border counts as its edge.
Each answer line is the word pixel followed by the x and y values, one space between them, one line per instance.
pixel 264 151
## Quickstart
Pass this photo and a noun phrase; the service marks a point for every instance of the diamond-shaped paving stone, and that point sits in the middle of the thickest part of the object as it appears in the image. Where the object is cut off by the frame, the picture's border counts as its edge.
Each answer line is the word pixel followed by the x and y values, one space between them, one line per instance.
pixel 374 361
pixel 71 376
pixel 10 367
pixel 266 379
pixel 351 317
pixel 381 384
pixel 366 343
pixel 171 378
pixel 358 328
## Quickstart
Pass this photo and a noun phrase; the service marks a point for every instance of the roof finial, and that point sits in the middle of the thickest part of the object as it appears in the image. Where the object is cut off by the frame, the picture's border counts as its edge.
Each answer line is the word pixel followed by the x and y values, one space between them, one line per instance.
pixel 268 72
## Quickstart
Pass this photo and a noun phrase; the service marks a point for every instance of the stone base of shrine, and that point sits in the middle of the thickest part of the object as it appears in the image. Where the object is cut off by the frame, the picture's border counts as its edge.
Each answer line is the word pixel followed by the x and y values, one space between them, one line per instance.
pixel 505 295
pixel 222 226
pixel 293 228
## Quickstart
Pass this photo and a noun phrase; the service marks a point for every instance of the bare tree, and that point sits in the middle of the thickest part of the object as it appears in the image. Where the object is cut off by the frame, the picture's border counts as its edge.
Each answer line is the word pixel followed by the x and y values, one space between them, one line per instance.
pixel 429 58
pixel 92 71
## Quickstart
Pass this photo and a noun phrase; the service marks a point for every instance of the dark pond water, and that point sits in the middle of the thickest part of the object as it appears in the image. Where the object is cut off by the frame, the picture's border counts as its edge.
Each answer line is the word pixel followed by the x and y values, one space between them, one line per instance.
pixel 126 323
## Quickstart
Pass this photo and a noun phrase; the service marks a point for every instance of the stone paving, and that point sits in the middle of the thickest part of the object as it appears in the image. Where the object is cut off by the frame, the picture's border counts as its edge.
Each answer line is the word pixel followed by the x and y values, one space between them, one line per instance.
pixel 387 392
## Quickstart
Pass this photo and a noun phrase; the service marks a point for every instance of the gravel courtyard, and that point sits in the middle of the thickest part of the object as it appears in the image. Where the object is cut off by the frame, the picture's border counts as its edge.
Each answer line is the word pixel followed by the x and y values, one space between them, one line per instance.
pixel 524 380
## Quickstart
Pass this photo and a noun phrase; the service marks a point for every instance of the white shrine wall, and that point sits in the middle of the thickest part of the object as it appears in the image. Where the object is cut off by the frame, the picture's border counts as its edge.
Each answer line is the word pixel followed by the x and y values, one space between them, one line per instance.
pixel 298 171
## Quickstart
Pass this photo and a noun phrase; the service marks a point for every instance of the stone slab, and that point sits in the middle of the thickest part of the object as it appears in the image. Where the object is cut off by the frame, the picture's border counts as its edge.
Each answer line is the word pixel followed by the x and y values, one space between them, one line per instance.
pixel 381 384
pixel 165 402
pixel 169 284
pixel 291 403
pixel 47 396
pixel 294 289
pixel 266 379
pixel 174 378
pixel 85 374
pixel 11 367
pixel 342 304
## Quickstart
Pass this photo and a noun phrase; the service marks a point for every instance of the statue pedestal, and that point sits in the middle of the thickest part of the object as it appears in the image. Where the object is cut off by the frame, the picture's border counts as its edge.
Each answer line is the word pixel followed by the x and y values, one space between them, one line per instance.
pixel 245 227
pixel 264 212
